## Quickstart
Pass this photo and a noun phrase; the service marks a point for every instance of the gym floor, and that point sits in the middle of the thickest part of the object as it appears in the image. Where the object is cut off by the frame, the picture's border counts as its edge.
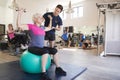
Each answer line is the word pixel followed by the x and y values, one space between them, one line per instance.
pixel 98 68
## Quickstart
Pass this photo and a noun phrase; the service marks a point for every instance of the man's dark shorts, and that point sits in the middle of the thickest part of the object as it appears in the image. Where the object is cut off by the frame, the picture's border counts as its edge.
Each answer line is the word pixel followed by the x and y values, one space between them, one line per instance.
pixel 50 37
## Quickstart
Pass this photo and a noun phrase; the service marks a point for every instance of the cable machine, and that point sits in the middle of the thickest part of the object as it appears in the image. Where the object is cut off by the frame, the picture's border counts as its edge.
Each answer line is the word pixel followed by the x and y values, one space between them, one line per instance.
pixel 111 43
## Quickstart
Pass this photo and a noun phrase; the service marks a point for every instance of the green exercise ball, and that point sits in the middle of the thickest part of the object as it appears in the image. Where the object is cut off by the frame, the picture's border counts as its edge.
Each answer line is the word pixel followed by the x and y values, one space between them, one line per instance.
pixel 31 63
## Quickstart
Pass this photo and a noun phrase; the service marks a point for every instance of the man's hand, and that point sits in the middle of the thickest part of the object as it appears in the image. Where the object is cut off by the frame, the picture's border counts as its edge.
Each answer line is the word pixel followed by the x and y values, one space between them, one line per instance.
pixel 56 28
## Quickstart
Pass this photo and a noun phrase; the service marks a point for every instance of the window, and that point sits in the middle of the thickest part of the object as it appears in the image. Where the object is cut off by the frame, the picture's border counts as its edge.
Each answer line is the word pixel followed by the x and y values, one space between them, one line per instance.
pixel 78 12
pixel 75 13
pixel 63 14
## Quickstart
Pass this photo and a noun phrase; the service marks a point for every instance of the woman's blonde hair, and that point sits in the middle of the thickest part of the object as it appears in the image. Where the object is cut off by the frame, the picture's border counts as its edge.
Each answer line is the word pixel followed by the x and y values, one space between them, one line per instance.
pixel 35 16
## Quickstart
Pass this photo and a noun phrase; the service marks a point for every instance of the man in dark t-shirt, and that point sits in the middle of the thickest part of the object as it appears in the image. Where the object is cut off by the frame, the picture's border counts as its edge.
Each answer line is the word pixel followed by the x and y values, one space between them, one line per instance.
pixel 56 25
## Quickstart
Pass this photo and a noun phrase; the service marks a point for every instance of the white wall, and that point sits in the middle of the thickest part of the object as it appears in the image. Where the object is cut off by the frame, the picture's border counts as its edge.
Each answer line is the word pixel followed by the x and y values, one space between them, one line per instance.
pixel 6 14
pixel 2 15
pixel 9 16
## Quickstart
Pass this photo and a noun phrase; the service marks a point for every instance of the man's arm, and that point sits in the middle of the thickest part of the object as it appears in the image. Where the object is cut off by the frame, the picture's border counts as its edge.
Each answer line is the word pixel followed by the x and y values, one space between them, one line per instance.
pixel 50 24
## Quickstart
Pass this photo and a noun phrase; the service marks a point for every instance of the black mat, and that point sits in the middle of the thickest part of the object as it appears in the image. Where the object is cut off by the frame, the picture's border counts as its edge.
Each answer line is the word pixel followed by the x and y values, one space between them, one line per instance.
pixel 12 71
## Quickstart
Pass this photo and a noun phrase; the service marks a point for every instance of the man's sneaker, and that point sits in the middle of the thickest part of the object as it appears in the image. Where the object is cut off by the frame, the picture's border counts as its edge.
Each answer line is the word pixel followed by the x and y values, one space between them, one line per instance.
pixel 44 76
pixel 60 71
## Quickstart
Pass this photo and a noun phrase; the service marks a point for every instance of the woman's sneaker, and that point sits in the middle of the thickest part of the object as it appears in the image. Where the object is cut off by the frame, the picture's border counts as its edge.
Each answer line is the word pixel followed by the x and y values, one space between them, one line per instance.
pixel 60 71
pixel 22 46
pixel 44 76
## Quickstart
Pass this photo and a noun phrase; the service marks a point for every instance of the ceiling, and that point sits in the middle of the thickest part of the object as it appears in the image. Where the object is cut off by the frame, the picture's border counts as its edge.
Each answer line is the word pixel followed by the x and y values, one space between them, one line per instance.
pixel 3 2
pixel 63 2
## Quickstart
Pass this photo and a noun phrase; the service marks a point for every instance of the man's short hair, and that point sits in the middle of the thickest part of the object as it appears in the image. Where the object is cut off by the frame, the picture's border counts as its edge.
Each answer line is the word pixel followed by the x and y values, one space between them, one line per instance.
pixel 60 7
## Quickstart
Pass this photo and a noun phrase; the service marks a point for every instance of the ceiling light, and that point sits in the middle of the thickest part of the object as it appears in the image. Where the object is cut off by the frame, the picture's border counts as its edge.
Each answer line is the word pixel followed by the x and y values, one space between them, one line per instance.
pixel 14 5
pixel 69 10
